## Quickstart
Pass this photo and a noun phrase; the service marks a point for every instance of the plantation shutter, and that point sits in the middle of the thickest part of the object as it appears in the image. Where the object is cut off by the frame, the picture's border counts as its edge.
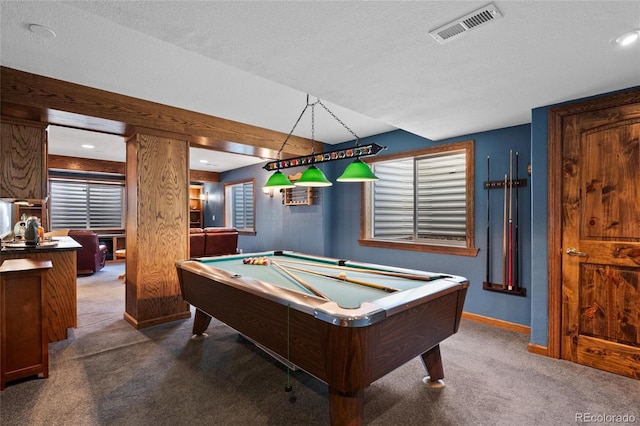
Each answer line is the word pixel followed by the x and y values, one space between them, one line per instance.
pixel 441 195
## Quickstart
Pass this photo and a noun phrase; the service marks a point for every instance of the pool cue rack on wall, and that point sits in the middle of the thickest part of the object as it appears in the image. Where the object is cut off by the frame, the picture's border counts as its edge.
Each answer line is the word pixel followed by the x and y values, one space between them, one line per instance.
pixel 510 273
pixel 495 184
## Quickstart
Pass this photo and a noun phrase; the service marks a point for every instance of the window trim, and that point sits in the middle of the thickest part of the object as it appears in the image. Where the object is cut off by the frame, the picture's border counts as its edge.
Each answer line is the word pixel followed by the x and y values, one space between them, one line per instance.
pixel 227 217
pixel 366 204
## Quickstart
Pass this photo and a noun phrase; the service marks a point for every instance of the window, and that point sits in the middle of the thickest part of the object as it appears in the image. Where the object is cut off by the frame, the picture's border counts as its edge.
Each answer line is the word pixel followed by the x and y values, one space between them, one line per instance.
pixel 240 205
pixel 83 204
pixel 423 201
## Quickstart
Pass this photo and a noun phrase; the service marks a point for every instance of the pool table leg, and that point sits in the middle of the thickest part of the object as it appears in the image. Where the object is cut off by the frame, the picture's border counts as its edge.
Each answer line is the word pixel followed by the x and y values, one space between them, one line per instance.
pixel 200 322
pixel 432 361
pixel 346 408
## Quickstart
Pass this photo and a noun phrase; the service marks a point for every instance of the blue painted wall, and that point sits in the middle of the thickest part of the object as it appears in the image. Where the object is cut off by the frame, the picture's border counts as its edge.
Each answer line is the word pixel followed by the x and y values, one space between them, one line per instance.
pixel 214 207
pixel 331 227
pixel 540 253
pixel 345 221
pixel 298 228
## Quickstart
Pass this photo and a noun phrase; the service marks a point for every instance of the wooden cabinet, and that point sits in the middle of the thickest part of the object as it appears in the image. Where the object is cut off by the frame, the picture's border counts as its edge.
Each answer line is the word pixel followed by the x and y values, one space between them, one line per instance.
pixel 113 242
pixel 61 282
pixel 23 159
pixel 195 206
pixel 24 347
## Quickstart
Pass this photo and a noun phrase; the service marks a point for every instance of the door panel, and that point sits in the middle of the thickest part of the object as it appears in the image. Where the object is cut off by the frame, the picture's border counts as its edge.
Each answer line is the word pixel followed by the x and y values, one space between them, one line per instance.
pixel 601 228
pixel 610 183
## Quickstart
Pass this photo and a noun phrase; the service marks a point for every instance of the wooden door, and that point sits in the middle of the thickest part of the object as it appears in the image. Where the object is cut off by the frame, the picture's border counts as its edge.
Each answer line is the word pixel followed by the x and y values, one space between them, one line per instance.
pixel 600 246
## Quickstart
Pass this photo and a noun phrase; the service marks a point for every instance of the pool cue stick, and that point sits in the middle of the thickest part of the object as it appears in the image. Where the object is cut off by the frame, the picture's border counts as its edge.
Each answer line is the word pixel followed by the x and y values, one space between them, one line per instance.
pixel 347 279
pixel 301 281
pixel 511 254
pixel 504 237
pixel 488 225
pixel 516 268
pixel 371 271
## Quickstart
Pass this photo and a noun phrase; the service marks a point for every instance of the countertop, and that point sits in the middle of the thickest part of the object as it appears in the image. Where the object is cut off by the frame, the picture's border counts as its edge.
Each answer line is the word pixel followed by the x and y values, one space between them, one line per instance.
pixel 56 244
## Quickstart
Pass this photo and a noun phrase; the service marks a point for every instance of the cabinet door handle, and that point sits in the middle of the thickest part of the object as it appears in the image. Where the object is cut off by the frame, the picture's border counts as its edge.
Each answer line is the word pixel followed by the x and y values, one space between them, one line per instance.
pixel 571 251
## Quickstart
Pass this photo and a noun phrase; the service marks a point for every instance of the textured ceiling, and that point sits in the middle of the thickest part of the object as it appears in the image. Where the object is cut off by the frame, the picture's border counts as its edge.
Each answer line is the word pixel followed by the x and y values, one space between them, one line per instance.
pixel 373 62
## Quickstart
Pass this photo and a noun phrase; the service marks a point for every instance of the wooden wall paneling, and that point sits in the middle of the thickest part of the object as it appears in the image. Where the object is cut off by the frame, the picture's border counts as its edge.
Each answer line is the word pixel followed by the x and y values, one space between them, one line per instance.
pixel 67 104
pixel 61 289
pixel 157 228
pixel 202 176
pixel 62 162
pixel 85 164
pixel 23 157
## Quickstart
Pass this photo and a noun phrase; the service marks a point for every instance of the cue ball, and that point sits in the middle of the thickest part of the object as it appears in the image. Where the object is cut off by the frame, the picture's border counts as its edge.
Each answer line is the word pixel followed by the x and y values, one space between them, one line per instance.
pixel 342 275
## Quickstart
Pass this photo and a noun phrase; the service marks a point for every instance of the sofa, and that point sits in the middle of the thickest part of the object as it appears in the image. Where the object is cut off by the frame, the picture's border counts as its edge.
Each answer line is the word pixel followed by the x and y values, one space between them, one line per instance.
pixel 93 255
pixel 215 241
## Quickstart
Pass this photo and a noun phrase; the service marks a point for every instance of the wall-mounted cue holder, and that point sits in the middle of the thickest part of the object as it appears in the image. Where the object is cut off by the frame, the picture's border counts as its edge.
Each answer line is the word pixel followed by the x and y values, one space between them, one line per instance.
pixel 510 230
pixel 495 184
pixel 298 196
pixel 520 291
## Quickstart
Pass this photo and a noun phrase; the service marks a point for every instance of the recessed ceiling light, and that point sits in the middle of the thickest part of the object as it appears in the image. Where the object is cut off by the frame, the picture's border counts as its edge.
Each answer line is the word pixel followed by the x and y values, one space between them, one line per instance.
pixel 628 38
pixel 204 161
pixel 88 146
pixel 42 31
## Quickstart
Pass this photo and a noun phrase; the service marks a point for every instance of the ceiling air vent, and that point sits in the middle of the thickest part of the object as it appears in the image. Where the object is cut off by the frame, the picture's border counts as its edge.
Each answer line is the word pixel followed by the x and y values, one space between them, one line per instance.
pixel 465 24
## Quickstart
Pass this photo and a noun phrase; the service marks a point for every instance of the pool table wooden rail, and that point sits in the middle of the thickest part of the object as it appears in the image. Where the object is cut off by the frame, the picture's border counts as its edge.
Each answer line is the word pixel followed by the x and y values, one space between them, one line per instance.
pixel 347 358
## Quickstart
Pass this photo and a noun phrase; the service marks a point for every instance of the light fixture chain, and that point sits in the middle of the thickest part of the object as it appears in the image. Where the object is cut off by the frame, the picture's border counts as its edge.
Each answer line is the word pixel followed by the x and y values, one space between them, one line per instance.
pixel 313 125
pixel 294 128
pixel 338 120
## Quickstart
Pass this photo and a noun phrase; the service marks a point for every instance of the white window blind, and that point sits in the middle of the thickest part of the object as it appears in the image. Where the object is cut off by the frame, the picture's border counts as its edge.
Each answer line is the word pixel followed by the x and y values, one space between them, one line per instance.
pixel 441 197
pixel 393 200
pixel 242 208
pixel 421 199
pixel 77 204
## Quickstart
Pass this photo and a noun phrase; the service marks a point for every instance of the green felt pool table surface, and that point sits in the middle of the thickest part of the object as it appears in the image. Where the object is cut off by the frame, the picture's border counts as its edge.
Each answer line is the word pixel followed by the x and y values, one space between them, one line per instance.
pixel 345 293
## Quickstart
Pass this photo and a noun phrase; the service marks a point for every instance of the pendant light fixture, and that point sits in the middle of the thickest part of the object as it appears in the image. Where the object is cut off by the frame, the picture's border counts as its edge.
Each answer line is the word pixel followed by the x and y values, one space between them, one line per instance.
pixel 278 181
pixel 313 176
pixel 357 171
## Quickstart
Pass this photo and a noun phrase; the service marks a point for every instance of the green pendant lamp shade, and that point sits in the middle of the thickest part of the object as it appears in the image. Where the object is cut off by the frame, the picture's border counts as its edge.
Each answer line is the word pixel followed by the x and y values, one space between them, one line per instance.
pixel 313 176
pixel 278 181
pixel 357 172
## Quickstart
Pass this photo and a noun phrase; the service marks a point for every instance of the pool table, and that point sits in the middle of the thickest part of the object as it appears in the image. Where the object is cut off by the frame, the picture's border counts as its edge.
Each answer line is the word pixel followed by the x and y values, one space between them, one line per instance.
pixel 346 323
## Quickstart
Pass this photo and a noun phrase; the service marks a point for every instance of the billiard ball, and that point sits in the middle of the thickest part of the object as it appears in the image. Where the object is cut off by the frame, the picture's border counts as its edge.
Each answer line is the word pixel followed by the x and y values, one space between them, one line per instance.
pixel 342 275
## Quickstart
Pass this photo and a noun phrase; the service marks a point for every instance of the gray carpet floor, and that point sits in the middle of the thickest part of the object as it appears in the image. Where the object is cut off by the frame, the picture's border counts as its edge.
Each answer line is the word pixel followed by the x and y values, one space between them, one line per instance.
pixel 108 373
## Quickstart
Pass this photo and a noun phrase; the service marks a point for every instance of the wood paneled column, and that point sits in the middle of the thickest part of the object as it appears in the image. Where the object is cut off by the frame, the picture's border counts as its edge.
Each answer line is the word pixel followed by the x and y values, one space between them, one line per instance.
pixel 23 159
pixel 157 227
